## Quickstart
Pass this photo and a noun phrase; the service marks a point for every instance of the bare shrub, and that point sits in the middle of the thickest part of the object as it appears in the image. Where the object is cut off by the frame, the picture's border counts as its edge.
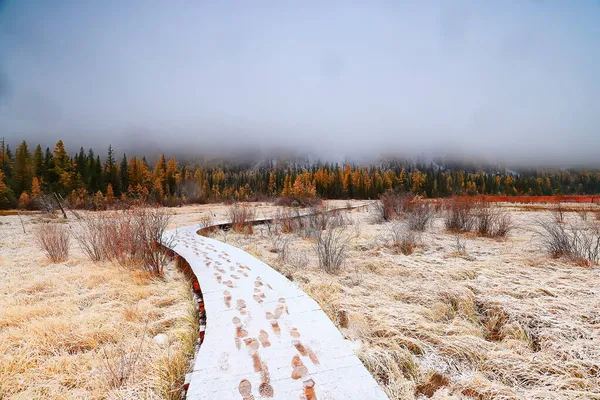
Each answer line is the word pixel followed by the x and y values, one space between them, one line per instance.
pixel 133 238
pixel 272 225
pixel 437 205
pixel 559 213
pixel 339 219
pixel 241 218
pixel 119 238
pixel 90 236
pixel 295 201
pixel 46 203
pixel 281 245
pixel 579 244
pixel 401 240
pixel 459 215
pixel 207 222
pixel 376 214
pixel 151 225
pixel 322 218
pixel 491 221
pixel 331 246
pixel 288 220
pixel 583 214
pixel 460 245
pixel 299 260
pixel 54 240
pixel 318 219
pixel 554 237
pixel 420 216
pixel 110 236
pixel 502 225
pixel 586 244
pixel 393 205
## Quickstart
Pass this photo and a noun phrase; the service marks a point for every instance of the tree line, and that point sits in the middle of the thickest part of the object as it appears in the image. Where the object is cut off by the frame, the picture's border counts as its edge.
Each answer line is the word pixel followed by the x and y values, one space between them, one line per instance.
pixel 86 180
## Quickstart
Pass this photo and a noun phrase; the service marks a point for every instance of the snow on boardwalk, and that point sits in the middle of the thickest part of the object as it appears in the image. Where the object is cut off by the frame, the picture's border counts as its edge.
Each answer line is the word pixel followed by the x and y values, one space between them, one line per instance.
pixel 264 338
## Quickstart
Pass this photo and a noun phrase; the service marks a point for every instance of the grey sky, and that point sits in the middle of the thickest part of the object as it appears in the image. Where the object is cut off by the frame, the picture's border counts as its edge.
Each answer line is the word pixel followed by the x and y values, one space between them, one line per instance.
pixel 512 79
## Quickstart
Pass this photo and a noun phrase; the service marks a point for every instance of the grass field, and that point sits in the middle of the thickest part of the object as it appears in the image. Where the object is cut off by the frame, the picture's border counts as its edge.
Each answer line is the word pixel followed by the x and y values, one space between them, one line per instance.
pixel 499 319
pixel 79 329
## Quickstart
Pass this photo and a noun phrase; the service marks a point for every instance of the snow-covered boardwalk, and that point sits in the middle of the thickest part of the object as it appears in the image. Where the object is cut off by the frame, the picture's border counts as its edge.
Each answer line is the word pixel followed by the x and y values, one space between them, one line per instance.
pixel 264 337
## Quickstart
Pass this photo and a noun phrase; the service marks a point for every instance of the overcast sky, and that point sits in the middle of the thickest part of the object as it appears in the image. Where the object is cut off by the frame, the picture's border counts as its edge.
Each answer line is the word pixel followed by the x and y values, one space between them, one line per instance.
pixel 518 80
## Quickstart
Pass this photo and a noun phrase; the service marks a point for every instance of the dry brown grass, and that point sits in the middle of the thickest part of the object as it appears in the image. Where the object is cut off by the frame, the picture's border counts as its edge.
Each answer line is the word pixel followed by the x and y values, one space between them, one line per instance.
pixel 64 326
pixel 503 322
pixel 506 322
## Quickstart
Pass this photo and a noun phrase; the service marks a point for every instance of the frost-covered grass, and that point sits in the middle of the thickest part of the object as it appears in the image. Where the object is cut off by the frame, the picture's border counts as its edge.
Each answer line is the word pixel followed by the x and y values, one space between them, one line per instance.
pixel 80 329
pixel 499 319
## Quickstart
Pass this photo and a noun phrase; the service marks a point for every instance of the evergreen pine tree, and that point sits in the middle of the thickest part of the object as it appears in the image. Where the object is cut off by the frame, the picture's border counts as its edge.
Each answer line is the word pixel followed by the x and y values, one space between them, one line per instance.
pixel 38 162
pixel 124 171
pixel 23 172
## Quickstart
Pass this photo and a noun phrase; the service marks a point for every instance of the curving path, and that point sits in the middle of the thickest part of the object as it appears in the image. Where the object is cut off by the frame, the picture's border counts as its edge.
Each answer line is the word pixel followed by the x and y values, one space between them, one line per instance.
pixel 264 338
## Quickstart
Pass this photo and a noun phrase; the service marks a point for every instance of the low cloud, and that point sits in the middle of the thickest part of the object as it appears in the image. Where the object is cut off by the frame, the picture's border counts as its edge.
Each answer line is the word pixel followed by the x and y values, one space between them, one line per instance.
pixel 508 82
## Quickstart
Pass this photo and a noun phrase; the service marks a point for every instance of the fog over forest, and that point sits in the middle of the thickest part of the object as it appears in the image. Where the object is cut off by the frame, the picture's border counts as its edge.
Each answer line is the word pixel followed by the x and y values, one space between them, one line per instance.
pixel 506 81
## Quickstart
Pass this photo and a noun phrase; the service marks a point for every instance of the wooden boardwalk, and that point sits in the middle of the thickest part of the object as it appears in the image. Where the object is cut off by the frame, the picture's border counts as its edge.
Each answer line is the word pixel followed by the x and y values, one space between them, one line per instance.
pixel 264 337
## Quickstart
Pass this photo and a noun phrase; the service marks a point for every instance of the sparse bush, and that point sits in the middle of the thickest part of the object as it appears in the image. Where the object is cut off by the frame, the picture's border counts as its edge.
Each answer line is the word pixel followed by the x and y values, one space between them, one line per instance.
pixel 491 221
pixel 272 225
pixel 207 222
pixel 321 218
pixel 376 215
pixel 241 218
pixel 54 240
pixel 281 246
pixel 295 201
pixel 151 225
pixel 317 220
pixel 133 237
pixel 401 239
pixel 437 205
pixel 460 245
pixel 579 244
pixel 299 260
pixel 284 218
pixel 331 247
pixel 119 236
pixel 554 237
pixel 559 213
pixel 583 214
pixel 90 236
pixel 420 216
pixel 46 203
pixel 339 219
pixel 459 215
pixel 502 225
pixel 393 206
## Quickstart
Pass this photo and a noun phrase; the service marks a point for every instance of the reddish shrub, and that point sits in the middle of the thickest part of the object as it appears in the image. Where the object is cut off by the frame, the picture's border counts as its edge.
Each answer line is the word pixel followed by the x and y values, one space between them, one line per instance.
pixel 54 240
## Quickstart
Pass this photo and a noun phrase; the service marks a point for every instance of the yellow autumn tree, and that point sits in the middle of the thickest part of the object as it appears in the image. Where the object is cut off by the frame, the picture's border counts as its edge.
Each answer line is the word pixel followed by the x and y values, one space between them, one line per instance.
pixel 110 194
pixel 287 186
pixel 272 188
pixel 24 201
pixel 36 191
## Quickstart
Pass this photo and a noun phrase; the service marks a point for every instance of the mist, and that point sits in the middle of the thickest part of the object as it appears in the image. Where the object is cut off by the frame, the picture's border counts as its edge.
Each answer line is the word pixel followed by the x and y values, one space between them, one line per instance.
pixel 511 81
